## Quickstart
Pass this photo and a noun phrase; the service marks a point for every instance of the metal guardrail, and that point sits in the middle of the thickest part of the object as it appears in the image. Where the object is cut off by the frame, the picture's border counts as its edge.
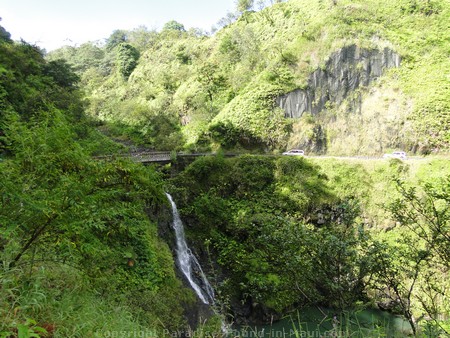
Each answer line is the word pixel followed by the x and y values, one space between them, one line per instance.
pixel 153 156
pixel 161 156
pixel 166 156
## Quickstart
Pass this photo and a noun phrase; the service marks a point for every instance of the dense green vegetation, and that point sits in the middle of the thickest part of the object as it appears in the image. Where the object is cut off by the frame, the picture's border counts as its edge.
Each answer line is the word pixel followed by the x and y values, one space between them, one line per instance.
pixel 282 233
pixel 79 254
pixel 187 90
pixel 256 216
pixel 405 205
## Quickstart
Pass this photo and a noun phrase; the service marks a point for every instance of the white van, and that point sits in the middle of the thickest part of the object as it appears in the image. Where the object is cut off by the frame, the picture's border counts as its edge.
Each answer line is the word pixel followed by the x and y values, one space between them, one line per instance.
pixel 295 152
pixel 396 154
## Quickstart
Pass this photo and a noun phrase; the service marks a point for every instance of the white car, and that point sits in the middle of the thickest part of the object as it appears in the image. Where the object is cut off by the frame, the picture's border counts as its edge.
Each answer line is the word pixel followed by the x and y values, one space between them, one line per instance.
pixel 295 152
pixel 396 154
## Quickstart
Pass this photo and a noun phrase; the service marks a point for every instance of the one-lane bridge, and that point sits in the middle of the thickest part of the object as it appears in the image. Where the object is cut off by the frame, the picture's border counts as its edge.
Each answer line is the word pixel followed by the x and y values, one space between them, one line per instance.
pixel 160 157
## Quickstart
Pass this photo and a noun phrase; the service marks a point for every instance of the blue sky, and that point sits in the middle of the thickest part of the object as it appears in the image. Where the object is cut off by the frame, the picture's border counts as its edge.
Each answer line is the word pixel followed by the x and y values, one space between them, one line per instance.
pixel 53 23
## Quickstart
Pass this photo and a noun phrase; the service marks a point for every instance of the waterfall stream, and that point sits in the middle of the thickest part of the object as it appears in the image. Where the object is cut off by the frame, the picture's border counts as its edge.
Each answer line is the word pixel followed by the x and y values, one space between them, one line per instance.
pixel 188 263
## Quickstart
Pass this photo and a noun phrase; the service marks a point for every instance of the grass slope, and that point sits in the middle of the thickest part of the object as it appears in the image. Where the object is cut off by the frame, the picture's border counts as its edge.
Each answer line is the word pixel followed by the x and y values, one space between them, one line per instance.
pixel 193 91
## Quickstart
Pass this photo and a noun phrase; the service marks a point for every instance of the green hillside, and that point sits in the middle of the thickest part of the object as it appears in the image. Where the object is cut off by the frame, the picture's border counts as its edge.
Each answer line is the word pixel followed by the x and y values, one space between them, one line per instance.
pixel 185 90
pixel 86 243
pixel 280 233
pixel 78 253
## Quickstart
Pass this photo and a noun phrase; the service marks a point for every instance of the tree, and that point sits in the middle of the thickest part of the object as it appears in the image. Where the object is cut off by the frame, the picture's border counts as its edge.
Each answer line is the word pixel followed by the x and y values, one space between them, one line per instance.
pixel 225 133
pixel 408 273
pixel 174 26
pixel 228 19
pixel 127 57
pixel 397 270
pixel 264 3
pixel 116 38
pixel 62 73
pixel 244 5
pixel 212 80
pixel 4 35
pixel 141 38
pixel 427 215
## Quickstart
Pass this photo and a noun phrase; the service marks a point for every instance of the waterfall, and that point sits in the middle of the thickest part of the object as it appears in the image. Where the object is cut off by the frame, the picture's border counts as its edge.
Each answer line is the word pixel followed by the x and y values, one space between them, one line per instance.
pixel 187 262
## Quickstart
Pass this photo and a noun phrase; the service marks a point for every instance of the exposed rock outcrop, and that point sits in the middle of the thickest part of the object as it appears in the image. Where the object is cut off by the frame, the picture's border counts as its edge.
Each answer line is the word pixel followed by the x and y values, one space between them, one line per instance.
pixel 345 71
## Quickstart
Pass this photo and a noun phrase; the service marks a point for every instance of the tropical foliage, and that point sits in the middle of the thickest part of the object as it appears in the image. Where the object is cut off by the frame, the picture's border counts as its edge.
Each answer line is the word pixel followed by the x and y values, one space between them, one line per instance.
pixel 78 253
pixel 281 233
pixel 235 76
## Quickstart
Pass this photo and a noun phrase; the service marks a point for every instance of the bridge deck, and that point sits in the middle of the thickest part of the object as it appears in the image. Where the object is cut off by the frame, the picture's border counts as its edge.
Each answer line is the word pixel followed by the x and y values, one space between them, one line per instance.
pixel 156 156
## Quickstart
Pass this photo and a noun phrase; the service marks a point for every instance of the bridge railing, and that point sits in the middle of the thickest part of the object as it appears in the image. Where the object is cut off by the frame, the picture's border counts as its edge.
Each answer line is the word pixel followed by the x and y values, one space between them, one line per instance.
pixel 160 156
pixel 157 156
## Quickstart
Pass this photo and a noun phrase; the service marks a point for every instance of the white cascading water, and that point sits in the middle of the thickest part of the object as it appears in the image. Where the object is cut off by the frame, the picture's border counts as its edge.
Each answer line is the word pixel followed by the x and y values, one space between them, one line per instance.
pixel 187 262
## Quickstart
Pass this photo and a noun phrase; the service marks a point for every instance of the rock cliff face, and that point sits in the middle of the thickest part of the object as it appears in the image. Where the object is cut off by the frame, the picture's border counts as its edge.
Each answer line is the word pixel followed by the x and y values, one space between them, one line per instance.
pixel 345 71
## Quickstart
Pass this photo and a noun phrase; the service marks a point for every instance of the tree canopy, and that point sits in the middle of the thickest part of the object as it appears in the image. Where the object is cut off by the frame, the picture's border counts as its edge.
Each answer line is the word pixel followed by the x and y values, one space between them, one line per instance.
pixel 174 25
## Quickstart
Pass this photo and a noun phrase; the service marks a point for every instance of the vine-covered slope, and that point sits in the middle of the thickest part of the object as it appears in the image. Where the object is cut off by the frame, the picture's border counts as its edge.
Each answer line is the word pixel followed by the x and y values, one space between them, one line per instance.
pixel 185 90
pixel 78 254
